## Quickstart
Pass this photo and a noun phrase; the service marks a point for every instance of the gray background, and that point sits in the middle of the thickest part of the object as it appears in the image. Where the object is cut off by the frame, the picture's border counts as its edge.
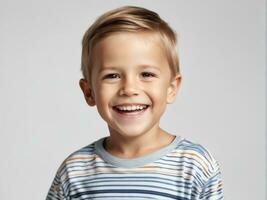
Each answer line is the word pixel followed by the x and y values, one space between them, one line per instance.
pixel 221 104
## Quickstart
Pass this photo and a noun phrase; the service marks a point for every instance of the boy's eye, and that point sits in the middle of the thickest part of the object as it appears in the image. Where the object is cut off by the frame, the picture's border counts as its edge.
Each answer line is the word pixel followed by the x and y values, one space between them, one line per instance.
pixel 111 76
pixel 148 74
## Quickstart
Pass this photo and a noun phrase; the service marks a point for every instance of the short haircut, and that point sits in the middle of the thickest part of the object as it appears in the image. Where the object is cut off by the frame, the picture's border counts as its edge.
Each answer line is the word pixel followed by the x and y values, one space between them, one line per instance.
pixel 128 19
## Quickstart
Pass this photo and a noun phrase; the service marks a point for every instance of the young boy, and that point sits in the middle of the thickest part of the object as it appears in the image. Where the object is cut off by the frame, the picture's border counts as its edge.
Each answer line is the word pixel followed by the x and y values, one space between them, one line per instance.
pixel 131 71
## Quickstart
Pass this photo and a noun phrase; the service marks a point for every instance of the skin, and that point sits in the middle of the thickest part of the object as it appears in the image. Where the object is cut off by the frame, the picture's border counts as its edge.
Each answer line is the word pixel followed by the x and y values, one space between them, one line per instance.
pixel 131 68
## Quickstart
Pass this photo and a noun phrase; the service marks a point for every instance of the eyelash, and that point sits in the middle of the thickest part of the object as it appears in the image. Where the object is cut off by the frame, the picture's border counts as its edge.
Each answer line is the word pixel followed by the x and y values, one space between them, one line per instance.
pixel 111 76
pixel 148 74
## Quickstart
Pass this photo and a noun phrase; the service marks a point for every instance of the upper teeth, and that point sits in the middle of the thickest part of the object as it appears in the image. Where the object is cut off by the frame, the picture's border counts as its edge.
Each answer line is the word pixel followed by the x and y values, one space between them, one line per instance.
pixel 133 107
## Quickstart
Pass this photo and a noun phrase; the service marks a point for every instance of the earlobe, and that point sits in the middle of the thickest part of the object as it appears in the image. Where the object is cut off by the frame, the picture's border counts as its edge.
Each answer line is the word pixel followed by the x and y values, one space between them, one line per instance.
pixel 87 92
pixel 173 88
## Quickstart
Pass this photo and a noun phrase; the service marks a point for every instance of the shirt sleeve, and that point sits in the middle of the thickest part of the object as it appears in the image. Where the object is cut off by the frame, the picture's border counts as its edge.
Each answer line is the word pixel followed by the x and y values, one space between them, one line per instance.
pixel 56 191
pixel 212 189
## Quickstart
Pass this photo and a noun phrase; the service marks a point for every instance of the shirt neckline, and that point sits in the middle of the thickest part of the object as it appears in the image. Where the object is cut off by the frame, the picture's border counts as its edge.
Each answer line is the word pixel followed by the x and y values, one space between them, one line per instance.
pixel 134 162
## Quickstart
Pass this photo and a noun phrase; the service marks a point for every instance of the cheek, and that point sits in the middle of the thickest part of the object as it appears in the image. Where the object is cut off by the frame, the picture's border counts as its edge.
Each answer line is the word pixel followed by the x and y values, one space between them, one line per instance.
pixel 103 100
pixel 158 94
pixel 159 89
pixel 104 94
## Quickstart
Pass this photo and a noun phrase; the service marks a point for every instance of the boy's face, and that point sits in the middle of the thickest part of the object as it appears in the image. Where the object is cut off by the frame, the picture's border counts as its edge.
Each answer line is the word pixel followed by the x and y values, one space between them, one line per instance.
pixel 131 83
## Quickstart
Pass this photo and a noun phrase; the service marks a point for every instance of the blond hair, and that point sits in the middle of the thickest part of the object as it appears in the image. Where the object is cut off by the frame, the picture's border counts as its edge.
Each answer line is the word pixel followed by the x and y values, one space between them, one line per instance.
pixel 128 19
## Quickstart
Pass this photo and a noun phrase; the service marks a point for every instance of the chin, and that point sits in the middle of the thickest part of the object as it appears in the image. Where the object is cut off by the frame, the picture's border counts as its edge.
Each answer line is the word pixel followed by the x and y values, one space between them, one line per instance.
pixel 130 133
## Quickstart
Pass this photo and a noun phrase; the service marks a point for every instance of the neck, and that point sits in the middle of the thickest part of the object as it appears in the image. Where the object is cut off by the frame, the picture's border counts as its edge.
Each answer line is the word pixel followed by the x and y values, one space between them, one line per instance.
pixel 132 147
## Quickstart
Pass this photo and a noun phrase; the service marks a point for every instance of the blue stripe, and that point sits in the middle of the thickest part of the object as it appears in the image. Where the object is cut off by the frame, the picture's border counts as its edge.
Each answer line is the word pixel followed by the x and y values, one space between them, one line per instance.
pixel 128 192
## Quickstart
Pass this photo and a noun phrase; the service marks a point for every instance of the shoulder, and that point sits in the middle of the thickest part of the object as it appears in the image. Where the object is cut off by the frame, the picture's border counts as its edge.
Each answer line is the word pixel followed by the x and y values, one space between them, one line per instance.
pixel 202 165
pixel 80 158
pixel 197 158
pixel 195 150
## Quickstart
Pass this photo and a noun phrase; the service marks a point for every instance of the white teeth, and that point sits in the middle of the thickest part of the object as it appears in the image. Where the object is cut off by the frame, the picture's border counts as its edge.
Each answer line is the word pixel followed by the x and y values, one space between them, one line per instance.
pixel 131 108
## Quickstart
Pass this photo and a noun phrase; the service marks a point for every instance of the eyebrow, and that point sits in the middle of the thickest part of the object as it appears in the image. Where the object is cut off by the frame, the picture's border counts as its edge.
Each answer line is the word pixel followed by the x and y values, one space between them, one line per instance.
pixel 108 68
pixel 150 66
pixel 104 68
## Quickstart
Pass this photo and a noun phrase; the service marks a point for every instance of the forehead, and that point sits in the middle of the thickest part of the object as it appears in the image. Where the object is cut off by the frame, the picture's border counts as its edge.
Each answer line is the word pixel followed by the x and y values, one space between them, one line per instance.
pixel 130 49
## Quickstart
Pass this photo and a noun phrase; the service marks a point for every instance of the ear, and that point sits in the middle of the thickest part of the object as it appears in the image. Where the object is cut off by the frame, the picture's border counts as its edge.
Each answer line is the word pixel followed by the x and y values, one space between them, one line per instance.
pixel 173 88
pixel 87 91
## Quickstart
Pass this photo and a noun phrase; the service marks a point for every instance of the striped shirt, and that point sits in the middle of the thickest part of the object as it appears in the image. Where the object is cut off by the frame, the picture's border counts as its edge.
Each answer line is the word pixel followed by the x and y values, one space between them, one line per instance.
pixel 183 170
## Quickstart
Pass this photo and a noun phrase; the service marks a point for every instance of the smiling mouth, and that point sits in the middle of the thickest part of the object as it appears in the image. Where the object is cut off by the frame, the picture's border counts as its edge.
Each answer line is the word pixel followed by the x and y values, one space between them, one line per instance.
pixel 127 109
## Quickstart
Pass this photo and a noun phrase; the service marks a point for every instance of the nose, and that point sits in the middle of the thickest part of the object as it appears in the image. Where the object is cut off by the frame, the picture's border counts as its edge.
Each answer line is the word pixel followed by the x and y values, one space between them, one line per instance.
pixel 129 87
